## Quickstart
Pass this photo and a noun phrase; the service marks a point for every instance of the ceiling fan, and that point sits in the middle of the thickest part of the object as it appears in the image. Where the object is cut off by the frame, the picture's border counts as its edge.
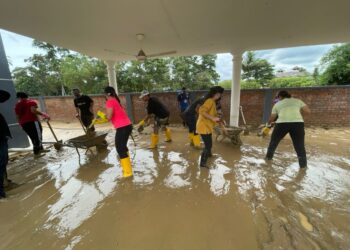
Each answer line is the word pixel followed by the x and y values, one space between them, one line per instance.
pixel 141 55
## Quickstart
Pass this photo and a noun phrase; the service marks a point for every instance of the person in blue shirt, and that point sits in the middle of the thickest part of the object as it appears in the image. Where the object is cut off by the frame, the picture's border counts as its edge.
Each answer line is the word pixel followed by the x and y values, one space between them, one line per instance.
pixel 183 100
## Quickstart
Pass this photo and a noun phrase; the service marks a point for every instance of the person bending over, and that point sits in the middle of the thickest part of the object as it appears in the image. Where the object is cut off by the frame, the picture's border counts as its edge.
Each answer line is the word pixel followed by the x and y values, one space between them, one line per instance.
pixel 207 119
pixel 160 113
pixel 121 122
pixel 27 115
pixel 287 114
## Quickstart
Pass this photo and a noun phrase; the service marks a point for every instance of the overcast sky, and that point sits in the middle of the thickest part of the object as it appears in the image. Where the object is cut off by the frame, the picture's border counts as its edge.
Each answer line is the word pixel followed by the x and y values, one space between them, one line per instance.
pixel 19 47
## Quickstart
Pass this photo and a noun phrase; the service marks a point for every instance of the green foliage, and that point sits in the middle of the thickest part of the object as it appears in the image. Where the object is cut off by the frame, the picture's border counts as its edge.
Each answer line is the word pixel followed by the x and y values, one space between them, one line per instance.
pixel 256 69
pixel 282 82
pixel 295 81
pixel 336 65
pixel 57 69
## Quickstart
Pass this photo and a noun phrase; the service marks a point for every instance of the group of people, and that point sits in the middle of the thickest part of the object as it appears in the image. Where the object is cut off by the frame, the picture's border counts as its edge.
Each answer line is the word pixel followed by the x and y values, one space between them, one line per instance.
pixel 200 116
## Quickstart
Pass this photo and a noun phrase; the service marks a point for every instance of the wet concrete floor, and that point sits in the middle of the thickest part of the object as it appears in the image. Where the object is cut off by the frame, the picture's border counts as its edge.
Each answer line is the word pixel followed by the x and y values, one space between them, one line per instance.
pixel 242 202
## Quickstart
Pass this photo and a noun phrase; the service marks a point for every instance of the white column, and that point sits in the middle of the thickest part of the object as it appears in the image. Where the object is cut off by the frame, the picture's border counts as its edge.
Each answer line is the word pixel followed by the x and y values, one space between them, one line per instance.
pixel 112 77
pixel 235 88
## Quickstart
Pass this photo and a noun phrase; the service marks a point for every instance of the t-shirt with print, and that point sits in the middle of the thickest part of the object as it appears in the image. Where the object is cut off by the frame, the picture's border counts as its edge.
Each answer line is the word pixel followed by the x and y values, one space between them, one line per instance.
pixel 184 100
pixel 24 112
pixel 83 102
pixel 288 110
pixel 119 117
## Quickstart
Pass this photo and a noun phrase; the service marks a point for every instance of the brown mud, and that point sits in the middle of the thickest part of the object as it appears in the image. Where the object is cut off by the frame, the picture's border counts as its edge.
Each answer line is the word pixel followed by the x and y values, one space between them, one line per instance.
pixel 242 202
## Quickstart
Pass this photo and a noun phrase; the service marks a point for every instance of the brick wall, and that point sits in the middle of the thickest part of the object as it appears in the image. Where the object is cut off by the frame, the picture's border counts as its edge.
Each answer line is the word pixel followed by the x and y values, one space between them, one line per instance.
pixel 330 106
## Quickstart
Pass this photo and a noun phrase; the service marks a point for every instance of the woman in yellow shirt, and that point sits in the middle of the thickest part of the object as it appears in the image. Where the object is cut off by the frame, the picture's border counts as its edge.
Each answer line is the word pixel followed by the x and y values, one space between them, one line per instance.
pixel 207 119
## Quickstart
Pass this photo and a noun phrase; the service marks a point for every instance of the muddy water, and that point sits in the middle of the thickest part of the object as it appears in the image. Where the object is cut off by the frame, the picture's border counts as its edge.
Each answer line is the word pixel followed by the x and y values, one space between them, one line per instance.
pixel 240 203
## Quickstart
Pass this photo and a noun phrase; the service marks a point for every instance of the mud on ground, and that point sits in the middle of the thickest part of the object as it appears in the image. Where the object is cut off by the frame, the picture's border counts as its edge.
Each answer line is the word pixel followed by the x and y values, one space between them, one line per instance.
pixel 242 202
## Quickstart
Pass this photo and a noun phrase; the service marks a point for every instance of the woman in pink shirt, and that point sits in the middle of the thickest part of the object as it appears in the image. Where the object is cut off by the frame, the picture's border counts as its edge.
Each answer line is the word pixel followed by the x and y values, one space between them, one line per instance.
pixel 121 122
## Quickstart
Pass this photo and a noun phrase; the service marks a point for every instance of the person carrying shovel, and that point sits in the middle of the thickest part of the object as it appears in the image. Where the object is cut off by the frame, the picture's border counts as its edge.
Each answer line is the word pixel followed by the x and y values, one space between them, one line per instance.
pixel 27 115
pixel 84 107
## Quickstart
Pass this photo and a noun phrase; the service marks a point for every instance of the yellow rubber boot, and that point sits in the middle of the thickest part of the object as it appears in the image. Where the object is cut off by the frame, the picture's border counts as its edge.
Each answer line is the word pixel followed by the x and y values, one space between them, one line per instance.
pixel 167 135
pixel 190 137
pixel 126 166
pixel 196 141
pixel 154 141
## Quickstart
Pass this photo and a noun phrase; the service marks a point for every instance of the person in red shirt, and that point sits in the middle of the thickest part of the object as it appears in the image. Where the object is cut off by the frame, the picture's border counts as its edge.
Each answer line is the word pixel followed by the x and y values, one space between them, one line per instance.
pixel 121 122
pixel 27 115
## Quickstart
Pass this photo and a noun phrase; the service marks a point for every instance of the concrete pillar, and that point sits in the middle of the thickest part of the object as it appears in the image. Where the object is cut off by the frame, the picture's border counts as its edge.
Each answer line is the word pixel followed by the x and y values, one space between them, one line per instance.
pixel 112 77
pixel 235 88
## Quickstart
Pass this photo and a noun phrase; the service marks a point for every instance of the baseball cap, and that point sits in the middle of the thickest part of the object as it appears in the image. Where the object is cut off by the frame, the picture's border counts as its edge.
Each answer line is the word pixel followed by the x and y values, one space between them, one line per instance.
pixel 144 93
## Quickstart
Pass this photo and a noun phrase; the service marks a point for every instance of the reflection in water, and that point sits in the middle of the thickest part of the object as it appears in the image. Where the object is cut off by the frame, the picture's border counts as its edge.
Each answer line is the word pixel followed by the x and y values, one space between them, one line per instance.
pixel 78 198
pixel 288 208
pixel 218 183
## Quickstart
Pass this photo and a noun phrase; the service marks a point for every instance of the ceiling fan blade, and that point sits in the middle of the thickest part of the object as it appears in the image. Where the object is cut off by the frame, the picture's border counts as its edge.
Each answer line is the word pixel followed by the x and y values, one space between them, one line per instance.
pixel 117 52
pixel 163 53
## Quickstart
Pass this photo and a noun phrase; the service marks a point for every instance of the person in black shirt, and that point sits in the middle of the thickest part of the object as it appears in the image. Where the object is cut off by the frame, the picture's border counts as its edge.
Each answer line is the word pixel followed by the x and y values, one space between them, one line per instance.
pixel 191 115
pixel 160 113
pixel 84 106
pixel 4 136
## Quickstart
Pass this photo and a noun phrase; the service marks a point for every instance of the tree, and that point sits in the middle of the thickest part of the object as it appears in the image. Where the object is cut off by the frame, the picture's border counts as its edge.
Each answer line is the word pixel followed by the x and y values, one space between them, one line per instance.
pixel 316 75
pixel 194 72
pixel 256 69
pixel 87 74
pixel 336 65
pixel 57 70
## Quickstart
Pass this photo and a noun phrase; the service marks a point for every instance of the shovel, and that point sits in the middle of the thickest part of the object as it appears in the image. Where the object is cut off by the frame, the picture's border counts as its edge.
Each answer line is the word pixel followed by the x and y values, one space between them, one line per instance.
pixel 58 144
pixel 246 130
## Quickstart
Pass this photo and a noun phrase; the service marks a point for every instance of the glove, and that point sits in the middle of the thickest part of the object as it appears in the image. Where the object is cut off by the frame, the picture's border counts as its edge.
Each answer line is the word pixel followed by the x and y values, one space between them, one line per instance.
pixel 101 115
pixel 141 123
pixel 46 116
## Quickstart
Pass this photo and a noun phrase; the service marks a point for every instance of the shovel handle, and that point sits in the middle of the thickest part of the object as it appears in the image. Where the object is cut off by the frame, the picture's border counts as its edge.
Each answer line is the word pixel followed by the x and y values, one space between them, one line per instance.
pixel 53 133
pixel 81 123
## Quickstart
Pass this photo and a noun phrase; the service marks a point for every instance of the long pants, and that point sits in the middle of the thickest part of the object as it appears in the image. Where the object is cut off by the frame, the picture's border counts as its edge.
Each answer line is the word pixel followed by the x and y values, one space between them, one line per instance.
pixel 121 140
pixel 191 121
pixel 3 163
pixel 86 119
pixel 296 132
pixel 206 153
pixel 35 133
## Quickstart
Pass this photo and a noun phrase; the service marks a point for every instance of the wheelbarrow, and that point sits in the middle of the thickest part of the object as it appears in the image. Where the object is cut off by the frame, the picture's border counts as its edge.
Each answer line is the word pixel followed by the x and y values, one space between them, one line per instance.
pixel 87 141
pixel 227 132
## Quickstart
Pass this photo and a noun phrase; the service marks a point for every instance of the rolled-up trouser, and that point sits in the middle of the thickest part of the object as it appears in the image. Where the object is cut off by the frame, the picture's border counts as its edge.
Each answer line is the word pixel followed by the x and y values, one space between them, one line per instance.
pixel 35 133
pixel 86 119
pixel 161 122
pixel 296 132
pixel 191 121
pixel 121 140
pixel 3 163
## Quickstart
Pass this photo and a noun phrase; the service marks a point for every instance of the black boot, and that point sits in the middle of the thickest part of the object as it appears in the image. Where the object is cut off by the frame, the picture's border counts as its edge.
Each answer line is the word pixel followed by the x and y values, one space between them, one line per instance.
pixel 302 162
pixel 204 158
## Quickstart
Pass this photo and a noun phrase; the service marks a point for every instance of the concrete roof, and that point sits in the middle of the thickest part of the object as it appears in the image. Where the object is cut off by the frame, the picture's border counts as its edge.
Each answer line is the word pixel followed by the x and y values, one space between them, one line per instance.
pixel 187 26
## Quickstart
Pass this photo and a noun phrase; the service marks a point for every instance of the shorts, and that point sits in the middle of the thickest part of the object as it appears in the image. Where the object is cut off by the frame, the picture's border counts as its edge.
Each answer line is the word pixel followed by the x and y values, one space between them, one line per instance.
pixel 161 122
